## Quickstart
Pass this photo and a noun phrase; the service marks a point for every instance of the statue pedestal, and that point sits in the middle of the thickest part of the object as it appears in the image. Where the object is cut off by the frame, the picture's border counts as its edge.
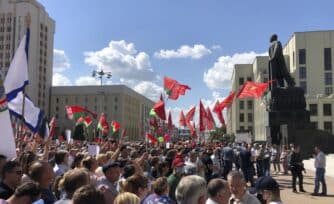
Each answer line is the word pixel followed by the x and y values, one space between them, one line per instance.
pixel 287 108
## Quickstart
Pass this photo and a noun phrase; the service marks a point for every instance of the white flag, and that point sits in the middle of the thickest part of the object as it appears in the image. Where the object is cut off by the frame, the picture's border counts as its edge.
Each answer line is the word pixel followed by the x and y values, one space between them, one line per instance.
pixel 7 144
pixel 17 75
pixel 32 114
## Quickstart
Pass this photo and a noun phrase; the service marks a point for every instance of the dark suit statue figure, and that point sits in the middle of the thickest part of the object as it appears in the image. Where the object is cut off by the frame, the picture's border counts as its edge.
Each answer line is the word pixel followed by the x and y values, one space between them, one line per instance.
pixel 277 67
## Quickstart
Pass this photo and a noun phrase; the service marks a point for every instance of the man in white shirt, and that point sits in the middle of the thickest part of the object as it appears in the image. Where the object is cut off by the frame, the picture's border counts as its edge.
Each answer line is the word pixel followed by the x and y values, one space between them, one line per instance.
pixel 238 188
pixel 320 166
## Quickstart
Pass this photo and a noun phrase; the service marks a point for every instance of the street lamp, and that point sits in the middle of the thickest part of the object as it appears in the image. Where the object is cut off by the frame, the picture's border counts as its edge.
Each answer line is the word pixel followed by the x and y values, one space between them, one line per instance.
pixel 101 74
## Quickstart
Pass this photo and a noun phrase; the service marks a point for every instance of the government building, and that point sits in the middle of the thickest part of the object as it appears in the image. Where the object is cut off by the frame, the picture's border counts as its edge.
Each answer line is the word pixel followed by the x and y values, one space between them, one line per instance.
pixel 118 102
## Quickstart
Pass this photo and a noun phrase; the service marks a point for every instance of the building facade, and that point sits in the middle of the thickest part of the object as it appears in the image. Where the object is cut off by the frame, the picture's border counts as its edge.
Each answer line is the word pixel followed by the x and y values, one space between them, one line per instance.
pixel 40 58
pixel 309 57
pixel 241 113
pixel 118 102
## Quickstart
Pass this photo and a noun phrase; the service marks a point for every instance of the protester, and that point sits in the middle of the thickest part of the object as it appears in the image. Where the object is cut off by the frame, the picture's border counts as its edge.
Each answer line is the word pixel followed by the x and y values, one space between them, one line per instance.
pixel 26 193
pixel 175 177
pixel 237 186
pixel 228 156
pixel 42 173
pixel 71 181
pixel 296 167
pixel 284 159
pixel 136 184
pixel 127 198
pixel 246 164
pixel 88 195
pixel 61 160
pixel 275 159
pixel 218 192
pixel 191 189
pixel 11 178
pixel 320 169
pixel 269 189
pixel 160 195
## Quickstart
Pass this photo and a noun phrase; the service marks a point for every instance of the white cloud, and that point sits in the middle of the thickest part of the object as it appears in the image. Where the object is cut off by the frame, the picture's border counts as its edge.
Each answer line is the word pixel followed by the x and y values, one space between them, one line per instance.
pixel 60 80
pixel 86 81
pixel 60 61
pixel 219 76
pixel 149 89
pixel 185 51
pixel 122 60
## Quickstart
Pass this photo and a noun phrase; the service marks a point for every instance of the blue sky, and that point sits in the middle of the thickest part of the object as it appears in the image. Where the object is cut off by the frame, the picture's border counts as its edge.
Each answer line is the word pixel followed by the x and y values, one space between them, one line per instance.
pixel 148 35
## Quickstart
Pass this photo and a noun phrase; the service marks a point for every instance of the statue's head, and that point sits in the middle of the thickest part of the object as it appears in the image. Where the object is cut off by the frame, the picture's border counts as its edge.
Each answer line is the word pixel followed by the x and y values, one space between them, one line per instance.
pixel 273 38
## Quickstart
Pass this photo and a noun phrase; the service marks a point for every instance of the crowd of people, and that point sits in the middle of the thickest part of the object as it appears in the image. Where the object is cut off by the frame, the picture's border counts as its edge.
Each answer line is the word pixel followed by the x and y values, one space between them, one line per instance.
pixel 136 172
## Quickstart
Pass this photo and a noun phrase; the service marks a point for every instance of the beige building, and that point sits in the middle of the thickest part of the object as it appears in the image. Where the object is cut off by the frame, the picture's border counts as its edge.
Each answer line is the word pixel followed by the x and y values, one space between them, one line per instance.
pixel 309 57
pixel 118 102
pixel 42 29
pixel 241 113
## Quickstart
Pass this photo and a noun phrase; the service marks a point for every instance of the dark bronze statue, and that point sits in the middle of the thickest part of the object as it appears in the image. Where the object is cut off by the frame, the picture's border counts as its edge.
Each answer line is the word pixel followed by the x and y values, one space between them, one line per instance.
pixel 277 67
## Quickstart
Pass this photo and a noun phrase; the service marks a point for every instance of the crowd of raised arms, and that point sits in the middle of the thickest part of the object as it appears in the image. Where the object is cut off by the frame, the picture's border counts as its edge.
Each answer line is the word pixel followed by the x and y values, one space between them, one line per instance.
pixel 135 172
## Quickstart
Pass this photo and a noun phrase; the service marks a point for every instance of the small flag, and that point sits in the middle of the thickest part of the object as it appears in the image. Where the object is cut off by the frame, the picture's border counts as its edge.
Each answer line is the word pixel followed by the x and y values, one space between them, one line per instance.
pixel 190 114
pixel 210 121
pixel 103 125
pixel 75 112
pixel 202 117
pixel 52 125
pixel 115 126
pixel 182 119
pixel 124 132
pixel 170 122
pixel 151 138
pixel 159 109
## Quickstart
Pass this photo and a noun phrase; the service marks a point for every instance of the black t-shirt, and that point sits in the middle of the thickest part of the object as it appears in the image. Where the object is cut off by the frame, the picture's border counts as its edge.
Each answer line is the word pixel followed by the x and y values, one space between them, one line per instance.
pixel 5 191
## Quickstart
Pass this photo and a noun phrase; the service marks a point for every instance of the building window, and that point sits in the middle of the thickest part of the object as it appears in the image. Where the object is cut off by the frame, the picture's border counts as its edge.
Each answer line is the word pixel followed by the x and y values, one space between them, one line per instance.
pixel 116 99
pixel 57 100
pixel 241 81
pixel 249 78
pixel 328 126
pixel 293 58
pixel 250 104
pixel 302 56
pixel 241 105
pixel 250 128
pixel 57 109
pixel 313 109
pixel 115 108
pixel 328 90
pixel 250 117
pixel 314 125
pixel 328 58
pixel 242 128
pixel 303 85
pixel 241 117
pixel 327 109
pixel 302 72
pixel 328 78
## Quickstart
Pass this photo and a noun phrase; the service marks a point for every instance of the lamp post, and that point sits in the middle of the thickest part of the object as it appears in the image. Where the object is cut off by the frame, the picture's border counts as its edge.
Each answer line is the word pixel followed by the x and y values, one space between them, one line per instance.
pixel 100 74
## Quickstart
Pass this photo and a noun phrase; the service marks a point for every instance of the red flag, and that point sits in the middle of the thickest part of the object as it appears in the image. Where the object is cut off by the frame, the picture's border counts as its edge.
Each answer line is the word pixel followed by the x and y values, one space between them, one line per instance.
pixel 202 117
pixel 159 109
pixel 52 125
pixel 252 90
pixel 151 138
pixel 192 129
pixel 169 84
pixel 179 89
pixel 88 121
pixel 227 101
pixel 182 119
pixel 210 121
pixel 74 112
pixel 166 138
pixel 103 125
pixel 115 126
pixel 217 109
pixel 190 114
pixel 170 122
pixel 124 132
